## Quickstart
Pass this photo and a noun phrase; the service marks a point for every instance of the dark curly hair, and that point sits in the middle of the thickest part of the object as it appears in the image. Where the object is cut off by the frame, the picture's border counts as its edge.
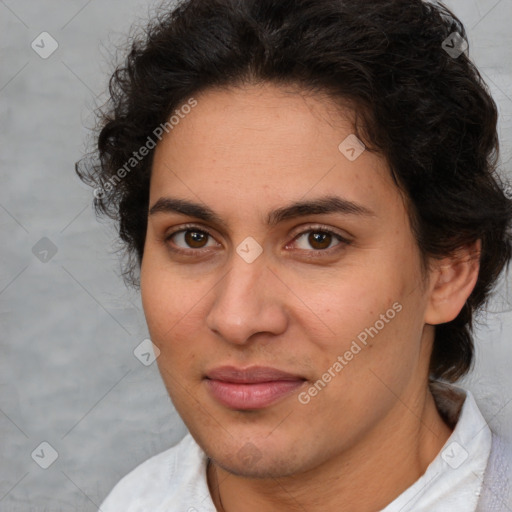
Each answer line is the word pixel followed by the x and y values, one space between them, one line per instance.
pixel 423 107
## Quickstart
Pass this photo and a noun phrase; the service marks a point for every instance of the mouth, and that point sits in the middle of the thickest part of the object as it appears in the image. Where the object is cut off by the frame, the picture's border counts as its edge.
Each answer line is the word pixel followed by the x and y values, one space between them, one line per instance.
pixel 251 388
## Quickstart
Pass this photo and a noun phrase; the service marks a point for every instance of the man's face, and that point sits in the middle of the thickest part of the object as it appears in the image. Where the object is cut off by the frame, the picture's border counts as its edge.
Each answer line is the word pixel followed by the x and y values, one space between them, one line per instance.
pixel 335 300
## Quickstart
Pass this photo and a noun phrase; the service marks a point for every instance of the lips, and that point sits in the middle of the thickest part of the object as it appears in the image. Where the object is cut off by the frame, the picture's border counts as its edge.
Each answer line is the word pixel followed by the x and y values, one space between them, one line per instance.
pixel 251 388
pixel 250 375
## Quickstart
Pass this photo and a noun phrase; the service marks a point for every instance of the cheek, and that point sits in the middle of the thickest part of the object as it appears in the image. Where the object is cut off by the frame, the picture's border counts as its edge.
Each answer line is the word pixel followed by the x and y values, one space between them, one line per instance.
pixel 171 310
pixel 371 316
pixel 174 308
pixel 160 295
pixel 348 300
pixel 372 354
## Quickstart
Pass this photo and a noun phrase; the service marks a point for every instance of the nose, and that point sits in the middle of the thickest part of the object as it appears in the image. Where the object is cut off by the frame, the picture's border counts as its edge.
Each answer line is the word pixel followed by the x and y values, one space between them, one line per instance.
pixel 248 300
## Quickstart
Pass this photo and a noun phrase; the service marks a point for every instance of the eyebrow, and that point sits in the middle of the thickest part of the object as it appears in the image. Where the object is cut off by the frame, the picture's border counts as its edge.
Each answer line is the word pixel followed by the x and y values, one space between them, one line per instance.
pixel 322 205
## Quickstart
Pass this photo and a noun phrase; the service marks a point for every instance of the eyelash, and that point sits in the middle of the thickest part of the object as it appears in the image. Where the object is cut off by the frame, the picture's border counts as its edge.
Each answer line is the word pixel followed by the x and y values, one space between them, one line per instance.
pixel 313 229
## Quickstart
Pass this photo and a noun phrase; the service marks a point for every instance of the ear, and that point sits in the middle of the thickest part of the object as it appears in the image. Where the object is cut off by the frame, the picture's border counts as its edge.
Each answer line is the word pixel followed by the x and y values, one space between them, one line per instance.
pixel 452 280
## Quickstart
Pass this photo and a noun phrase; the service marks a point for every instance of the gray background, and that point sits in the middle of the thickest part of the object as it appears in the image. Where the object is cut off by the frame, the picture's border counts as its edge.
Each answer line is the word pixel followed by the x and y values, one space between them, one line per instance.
pixel 68 375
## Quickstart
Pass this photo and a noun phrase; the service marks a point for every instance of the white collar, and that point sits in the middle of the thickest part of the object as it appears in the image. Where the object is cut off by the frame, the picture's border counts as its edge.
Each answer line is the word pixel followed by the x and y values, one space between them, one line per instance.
pixel 453 480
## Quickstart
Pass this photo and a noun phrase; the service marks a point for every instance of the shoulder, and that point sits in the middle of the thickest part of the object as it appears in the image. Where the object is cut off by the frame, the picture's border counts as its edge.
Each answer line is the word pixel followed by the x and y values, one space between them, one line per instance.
pixel 497 485
pixel 175 478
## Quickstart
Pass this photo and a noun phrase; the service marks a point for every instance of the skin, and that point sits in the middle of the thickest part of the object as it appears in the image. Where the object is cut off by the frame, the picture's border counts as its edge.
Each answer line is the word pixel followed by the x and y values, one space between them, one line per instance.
pixel 371 432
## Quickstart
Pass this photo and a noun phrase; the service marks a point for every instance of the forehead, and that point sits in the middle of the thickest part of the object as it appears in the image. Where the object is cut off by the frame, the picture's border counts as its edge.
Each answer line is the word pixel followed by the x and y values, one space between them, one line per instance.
pixel 245 146
pixel 264 116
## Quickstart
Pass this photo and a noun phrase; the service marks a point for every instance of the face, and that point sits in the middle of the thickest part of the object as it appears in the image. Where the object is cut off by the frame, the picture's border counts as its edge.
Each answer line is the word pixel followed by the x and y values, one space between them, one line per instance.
pixel 286 333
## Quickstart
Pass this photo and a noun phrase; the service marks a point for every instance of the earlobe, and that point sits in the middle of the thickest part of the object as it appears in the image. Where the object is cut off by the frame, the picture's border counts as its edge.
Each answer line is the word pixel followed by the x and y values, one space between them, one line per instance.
pixel 453 278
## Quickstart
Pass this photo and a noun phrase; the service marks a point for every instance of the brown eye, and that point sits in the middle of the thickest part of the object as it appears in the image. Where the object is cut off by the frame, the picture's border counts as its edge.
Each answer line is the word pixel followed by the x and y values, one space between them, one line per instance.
pixel 319 240
pixel 195 239
pixel 190 239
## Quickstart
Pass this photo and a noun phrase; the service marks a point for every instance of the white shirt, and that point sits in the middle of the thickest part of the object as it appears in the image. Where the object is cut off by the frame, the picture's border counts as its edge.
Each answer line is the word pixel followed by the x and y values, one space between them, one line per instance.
pixel 175 480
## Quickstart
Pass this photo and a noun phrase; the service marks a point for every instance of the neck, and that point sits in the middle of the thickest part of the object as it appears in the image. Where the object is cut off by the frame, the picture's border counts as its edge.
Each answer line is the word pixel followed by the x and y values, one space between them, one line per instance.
pixel 365 478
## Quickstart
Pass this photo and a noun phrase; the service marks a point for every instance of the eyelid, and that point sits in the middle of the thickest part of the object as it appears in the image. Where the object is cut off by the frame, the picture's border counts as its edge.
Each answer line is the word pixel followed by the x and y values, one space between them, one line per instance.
pixel 305 228
pixel 188 227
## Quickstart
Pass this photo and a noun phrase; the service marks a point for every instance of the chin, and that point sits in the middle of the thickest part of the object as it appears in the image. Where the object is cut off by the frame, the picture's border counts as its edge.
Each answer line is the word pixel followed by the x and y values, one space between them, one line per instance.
pixel 275 466
pixel 256 458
